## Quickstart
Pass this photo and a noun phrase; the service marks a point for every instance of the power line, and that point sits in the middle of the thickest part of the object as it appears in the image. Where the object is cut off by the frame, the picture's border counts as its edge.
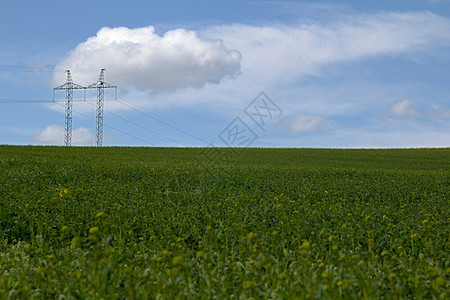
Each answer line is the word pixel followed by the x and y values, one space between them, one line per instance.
pixel 37 101
pixel 184 126
pixel 149 130
pixel 12 68
pixel 162 122
pixel 113 128
pixel 23 101
pixel 8 68
pixel 179 107
pixel 85 81
pixel 199 116
pixel 29 101
pixel 154 118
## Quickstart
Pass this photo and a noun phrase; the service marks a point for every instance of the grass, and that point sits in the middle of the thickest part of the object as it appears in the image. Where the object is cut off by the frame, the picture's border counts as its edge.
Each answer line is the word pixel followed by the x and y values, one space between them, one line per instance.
pixel 220 223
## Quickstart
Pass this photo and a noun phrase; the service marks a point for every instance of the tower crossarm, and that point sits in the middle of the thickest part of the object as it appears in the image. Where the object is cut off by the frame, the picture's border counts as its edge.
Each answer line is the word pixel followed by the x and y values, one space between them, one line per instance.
pixel 69 84
pixel 100 83
pixel 72 85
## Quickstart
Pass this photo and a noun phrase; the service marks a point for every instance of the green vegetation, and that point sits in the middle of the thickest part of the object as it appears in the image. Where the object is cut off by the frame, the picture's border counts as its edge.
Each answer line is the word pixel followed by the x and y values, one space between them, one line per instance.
pixel 269 223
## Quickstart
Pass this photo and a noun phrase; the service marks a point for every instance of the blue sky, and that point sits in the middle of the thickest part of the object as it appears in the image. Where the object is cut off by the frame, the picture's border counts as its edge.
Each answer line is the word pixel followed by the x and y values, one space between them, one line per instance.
pixel 345 74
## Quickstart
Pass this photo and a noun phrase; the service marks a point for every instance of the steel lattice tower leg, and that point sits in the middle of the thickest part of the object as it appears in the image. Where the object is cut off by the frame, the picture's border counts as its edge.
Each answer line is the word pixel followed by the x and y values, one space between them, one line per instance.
pixel 100 85
pixel 68 123
pixel 99 118
pixel 69 86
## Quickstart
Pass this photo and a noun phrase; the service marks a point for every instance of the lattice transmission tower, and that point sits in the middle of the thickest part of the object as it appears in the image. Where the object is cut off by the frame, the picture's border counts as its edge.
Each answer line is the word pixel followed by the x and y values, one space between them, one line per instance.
pixel 101 85
pixel 69 86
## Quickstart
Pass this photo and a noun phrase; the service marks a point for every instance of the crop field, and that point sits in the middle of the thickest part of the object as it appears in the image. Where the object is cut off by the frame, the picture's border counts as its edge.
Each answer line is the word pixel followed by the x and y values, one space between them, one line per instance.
pixel 164 223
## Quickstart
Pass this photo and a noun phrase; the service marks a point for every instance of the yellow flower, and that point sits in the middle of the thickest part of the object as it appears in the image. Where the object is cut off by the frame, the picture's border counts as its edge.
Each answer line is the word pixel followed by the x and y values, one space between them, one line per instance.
pixel 439 281
pixel 76 241
pixel 177 260
pixel 93 230
pixel 63 191
pixel 172 272
pixel 99 214
pixel 305 245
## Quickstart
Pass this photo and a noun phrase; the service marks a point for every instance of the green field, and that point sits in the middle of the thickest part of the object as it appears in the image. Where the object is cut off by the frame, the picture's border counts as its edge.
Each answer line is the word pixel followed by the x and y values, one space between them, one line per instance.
pixel 264 223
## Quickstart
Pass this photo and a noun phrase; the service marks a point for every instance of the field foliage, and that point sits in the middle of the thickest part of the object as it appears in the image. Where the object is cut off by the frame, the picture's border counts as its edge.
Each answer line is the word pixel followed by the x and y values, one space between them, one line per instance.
pixel 262 223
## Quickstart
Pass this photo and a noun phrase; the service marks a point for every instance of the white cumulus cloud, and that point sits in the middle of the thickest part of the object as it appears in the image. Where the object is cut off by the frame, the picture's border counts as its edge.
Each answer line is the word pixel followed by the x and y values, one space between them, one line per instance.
pixel 54 135
pixel 150 62
pixel 303 123
pixel 403 109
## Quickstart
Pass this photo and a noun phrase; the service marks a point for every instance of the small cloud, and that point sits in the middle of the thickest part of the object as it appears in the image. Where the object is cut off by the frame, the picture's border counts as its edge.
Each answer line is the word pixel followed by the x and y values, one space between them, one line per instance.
pixel 83 136
pixel 441 113
pixel 403 109
pixel 54 135
pixel 300 124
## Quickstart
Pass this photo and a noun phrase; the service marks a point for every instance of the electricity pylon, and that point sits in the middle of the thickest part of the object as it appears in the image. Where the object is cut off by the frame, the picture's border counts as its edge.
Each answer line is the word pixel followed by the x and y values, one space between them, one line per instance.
pixel 100 85
pixel 69 86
